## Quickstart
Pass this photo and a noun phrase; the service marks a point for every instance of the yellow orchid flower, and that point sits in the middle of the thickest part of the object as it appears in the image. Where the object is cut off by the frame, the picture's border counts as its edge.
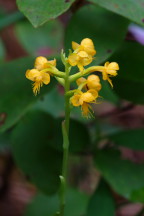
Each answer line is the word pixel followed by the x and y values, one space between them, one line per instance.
pixel 83 53
pixel 42 63
pixel 85 45
pixel 110 69
pixel 38 75
pixel 83 100
pixel 92 82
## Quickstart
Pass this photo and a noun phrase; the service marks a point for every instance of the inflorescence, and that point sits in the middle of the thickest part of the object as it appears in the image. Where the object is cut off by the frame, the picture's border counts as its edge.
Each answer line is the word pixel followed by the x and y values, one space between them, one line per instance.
pixel 88 88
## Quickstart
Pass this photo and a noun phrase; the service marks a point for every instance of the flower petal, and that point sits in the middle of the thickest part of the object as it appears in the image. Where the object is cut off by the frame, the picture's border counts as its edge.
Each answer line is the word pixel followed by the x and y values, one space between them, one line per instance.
pixel 32 74
pixel 73 59
pixel 80 81
pixel 89 96
pixel 113 66
pixel 106 64
pixel 80 66
pixel 40 62
pixel 93 82
pixel 82 54
pixel 88 46
pixel 36 87
pixel 112 72
pixel 87 42
pixel 110 82
pixel 45 78
pixel 86 61
pixel 75 45
pixel 104 75
pixel 87 110
pixel 52 62
pixel 75 100
pixel 93 92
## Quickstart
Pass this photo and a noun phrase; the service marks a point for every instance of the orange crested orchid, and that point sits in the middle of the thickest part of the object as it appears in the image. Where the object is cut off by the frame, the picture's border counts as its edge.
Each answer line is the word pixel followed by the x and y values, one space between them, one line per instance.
pixel 83 100
pixel 83 53
pixel 38 74
pixel 110 69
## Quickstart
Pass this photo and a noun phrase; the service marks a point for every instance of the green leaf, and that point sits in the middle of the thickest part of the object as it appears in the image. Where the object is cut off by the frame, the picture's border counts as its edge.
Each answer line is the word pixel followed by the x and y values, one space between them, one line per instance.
pixel 79 136
pixel 53 103
pixel 133 139
pixel 5 141
pixel 32 152
pixel 38 12
pixel 129 84
pixel 125 177
pixel 131 9
pixel 106 29
pixel 16 96
pixel 108 94
pixel 2 51
pixel 9 19
pixel 76 203
pixel 101 202
pixel 47 38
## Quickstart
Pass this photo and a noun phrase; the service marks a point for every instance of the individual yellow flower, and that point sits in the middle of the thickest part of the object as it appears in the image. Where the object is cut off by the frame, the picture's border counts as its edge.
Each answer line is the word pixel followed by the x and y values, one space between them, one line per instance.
pixel 42 63
pixel 38 75
pixel 85 45
pixel 92 82
pixel 83 53
pixel 110 69
pixel 83 100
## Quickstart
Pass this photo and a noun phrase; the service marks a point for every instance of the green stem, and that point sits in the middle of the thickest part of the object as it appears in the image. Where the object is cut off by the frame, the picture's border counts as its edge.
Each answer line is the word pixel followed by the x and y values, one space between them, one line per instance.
pixel 55 72
pixel 65 130
pixel 74 77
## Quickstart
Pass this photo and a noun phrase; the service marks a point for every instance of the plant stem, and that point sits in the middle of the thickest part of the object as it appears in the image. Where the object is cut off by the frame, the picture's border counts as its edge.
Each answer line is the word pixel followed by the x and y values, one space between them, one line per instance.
pixel 65 130
pixel 74 77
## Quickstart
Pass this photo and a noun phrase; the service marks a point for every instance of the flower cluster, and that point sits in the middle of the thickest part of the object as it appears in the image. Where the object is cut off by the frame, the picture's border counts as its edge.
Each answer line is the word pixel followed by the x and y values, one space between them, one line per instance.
pixel 88 88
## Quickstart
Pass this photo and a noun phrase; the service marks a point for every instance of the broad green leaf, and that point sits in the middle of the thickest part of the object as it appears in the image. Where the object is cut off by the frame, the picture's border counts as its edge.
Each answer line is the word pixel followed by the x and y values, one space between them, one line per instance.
pixel 2 51
pixel 133 139
pixel 78 137
pixel 53 103
pixel 9 19
pixel 131 9
pixel 5 141
pixel 46 39
pixel 108 129
pixel 125 177
pixel 38 12
pixel 108 94
pixel 16 95
pixel 76 203
pixel 101 202
pixel 129 84
pixel 106 29
pixel 30 146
